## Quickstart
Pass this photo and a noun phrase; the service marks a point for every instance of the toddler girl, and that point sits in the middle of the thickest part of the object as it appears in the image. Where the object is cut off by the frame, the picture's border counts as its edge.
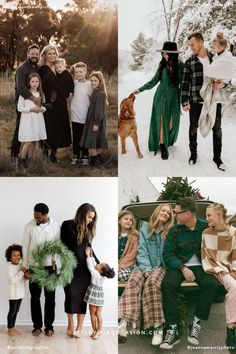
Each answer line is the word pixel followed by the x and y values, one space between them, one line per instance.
pixel 94 295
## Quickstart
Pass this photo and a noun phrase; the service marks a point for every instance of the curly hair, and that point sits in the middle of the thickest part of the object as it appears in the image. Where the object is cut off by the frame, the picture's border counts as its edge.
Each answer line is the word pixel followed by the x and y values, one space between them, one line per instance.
pixel 107 271
pixel 12 248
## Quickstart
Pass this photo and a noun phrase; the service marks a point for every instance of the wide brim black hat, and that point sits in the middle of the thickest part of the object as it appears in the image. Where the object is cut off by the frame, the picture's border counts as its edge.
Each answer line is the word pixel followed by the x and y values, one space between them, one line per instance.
pixel 169 47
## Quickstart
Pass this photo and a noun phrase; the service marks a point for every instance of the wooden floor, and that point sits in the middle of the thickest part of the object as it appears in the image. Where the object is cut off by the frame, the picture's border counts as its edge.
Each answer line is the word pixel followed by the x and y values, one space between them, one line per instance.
pixel 59 344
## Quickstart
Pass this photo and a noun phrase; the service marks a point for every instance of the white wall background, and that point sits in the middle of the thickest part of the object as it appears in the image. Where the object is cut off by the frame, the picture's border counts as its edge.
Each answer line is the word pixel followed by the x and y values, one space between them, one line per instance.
pixel 63 196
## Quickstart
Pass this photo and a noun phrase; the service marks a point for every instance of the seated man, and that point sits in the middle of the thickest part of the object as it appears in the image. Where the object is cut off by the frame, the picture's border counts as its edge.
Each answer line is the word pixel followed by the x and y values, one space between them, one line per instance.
pixel 182 257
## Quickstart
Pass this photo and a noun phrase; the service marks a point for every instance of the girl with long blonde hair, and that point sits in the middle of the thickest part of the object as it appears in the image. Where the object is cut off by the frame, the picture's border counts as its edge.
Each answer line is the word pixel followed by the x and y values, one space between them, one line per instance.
pixel 144 285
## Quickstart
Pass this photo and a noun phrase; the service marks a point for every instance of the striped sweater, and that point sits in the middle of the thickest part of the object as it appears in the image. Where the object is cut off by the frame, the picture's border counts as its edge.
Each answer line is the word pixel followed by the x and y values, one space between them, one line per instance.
pixel 219 251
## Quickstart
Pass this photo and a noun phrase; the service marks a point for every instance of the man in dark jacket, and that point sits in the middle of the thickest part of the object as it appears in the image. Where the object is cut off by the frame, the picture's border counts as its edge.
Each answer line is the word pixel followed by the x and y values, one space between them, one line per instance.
pixel 182 258
pixel 23 71
pixel 192 101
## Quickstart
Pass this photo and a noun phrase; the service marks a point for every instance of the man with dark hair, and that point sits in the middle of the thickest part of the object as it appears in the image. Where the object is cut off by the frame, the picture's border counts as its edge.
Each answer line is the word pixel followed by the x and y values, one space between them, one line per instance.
pixel 23 71
pixel 42 228
pixel 182 257
pixel 192 101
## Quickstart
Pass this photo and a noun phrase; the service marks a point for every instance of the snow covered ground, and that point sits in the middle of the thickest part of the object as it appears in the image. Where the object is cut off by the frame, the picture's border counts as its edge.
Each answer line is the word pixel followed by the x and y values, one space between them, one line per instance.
pixel 177 164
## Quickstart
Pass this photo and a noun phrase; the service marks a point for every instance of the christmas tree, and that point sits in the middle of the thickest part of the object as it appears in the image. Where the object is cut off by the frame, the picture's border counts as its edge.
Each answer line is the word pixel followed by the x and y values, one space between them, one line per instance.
pixel 176 187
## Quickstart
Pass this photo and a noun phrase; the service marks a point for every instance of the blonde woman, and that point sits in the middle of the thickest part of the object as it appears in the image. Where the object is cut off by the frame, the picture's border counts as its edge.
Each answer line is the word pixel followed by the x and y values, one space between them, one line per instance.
pixel 77 235
pixel 56 116
pixel 144 284
pixel 127 244
pixel 219 258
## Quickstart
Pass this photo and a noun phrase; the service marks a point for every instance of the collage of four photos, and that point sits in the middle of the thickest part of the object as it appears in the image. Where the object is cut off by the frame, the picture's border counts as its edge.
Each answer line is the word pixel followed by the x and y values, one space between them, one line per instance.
pixel 117 166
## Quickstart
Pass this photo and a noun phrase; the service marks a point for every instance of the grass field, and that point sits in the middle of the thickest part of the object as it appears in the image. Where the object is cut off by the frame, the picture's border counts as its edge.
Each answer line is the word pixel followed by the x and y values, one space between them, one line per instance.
pixel 40 167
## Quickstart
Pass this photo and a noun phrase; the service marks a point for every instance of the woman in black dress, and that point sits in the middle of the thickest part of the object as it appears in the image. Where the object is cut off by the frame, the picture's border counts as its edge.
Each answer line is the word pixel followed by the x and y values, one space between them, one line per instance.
pixel 77 235
pixel 56 116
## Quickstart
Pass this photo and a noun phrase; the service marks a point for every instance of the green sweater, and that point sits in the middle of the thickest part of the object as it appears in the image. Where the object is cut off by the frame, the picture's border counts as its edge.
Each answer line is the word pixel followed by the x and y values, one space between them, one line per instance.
pixel 182 243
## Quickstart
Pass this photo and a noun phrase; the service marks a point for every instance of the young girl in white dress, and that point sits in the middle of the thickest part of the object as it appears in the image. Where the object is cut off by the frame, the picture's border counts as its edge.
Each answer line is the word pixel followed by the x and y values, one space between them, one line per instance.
pixel 32 125
pixel 94 295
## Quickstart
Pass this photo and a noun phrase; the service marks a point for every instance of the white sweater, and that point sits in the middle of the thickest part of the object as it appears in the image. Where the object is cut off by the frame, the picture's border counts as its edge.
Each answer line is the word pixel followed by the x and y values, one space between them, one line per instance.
pixel 16 282
pixel 96 277
pixel 34 235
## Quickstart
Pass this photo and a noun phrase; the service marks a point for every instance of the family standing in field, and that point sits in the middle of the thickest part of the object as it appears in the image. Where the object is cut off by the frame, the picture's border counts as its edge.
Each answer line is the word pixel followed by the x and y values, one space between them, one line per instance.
pixel 154 263
pixel 46 95
pixel 199 86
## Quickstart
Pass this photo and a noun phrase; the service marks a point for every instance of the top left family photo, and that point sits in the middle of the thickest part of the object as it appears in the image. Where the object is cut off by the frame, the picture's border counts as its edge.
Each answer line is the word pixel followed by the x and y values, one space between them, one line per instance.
pixel 58 88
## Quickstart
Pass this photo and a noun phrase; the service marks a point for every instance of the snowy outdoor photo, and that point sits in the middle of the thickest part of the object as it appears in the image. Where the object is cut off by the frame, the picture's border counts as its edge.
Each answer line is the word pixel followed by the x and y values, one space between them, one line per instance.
pixel 177 88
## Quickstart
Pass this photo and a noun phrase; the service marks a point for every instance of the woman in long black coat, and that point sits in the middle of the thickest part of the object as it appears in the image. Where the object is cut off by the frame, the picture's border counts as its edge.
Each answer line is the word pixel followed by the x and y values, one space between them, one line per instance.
pixel 78 234
pixel 56 116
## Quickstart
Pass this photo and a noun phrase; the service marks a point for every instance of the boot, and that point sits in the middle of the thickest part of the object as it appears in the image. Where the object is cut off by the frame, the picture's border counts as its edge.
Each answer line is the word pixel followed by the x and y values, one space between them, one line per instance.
pixel 220 165
pixel 231 339
pixel 95 161
pixel 193 158
pixel 164 152
pixel 193 149
pixel 22 163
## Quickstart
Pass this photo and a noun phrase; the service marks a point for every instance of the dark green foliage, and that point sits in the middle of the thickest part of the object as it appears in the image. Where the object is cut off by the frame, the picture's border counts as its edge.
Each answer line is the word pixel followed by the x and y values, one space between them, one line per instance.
pixel 68 261
pixel 85 32
pixel 176 187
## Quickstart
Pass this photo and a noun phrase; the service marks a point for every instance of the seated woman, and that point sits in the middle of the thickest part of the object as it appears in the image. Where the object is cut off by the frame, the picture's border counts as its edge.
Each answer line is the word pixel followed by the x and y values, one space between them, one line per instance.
pixel 219 258
pixel 144 284
pixel 127 244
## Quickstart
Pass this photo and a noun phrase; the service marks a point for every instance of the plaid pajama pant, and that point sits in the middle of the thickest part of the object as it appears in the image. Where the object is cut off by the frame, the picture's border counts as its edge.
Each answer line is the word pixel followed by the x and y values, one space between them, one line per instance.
pixel 141 293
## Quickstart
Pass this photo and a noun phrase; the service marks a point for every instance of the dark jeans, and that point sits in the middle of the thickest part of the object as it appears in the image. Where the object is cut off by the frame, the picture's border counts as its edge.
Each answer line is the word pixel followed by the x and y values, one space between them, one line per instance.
pixel 15 144
pixel 14 306
pixel 171 286
pixel 49 307
pixel 77 131
pixel 194 115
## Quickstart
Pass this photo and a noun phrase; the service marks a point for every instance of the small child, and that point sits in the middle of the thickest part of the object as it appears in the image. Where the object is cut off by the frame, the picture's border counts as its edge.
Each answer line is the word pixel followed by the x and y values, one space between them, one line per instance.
pixel 94 134
pixel 16 283
pixel 127 244
pixel 64 78
pixel 221 70
pixel 32 125
pixel 79 109
pixel 94 295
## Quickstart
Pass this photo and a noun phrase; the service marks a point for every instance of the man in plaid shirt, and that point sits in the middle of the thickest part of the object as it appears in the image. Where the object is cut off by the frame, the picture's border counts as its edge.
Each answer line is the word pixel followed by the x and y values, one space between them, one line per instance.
pixel 192 101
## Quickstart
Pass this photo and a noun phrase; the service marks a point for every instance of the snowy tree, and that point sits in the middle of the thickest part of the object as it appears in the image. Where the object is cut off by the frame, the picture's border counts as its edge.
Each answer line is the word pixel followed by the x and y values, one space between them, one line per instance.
pixel 139 48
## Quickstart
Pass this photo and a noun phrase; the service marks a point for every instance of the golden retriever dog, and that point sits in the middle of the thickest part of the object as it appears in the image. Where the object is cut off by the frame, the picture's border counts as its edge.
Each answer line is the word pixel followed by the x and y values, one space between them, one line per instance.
pixel 127 124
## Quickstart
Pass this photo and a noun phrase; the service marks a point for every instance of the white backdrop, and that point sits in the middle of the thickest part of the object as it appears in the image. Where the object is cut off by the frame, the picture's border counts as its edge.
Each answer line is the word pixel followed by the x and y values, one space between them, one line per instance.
pixel 63 196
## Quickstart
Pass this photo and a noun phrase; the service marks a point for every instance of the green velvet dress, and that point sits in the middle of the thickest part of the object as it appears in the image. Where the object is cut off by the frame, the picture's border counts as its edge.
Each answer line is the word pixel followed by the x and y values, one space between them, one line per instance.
pixel 166 107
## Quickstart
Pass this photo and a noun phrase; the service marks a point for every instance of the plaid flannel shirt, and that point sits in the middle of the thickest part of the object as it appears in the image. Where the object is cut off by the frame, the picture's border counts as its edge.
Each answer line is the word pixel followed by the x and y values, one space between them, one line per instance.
pixel 192 80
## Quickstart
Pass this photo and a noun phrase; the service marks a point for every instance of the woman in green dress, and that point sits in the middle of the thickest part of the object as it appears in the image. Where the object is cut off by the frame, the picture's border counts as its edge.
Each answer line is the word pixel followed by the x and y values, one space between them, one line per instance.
pixel 164 126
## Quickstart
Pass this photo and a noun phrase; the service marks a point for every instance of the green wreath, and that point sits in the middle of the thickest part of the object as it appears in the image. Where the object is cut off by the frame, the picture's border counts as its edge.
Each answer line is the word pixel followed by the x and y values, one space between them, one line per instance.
pixel 41 275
